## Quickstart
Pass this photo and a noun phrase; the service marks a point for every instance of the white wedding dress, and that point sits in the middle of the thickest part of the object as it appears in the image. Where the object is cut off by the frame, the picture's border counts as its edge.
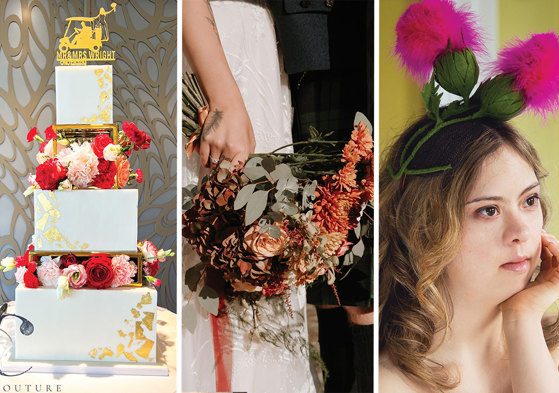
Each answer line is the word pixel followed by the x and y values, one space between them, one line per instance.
pixel 247 34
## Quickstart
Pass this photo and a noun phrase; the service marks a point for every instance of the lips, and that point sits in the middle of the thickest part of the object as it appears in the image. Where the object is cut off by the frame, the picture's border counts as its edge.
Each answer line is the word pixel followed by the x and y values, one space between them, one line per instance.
pixel 520 265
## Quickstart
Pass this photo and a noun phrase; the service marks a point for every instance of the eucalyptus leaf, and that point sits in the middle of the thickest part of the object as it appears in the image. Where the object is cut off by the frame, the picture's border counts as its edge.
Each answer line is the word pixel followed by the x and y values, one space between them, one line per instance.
pixel 243 196
pixel 255 173
pixel 348 259
pixel 359 248
pixel 255 206
pixel 209 299
pixel 292 185
pixel 189 318
pixel 281 184
pixel 357 230
pixel 268 163
pixel 280 196
pixel 193 275
pixel 272 230
pixel 281 171
pixel 361 117
pixel 254 161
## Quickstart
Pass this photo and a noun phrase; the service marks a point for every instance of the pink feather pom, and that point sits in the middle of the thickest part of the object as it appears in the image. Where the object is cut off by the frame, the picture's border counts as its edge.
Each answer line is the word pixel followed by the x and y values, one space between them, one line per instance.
pixel 534 63
pixel 424 31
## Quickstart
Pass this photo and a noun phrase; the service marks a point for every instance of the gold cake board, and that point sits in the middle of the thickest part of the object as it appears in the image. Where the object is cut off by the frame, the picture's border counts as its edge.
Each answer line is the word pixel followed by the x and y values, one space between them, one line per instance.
pixel 12 366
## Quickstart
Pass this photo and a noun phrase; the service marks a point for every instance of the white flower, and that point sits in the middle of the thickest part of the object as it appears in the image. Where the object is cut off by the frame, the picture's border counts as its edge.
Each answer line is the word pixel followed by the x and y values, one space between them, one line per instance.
pixel 8 264
pixel 65 185
pixel 62 288
pixel 20 272
pixel 111 152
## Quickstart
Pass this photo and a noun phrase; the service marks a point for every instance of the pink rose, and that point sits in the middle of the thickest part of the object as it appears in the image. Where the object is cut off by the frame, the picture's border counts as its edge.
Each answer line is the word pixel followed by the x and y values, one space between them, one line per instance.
pixel 83 165
pixel 123 271
pixel 122 171
pixel 49 271
pixel 77 277
pixel 262 244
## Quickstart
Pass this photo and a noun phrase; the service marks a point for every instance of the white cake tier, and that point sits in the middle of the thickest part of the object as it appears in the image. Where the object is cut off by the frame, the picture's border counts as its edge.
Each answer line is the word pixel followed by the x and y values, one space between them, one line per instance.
pixel 107 325
pixel 86 220
pixel 84 94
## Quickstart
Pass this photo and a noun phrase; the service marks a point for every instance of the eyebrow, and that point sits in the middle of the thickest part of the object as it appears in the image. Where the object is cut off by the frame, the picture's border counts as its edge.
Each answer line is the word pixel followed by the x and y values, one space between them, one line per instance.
pixel 496 198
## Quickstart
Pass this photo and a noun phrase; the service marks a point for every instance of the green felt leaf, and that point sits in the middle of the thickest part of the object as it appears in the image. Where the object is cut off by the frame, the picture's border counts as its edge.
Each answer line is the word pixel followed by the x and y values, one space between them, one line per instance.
pixel 281 171
pixel 359 248
pixel 361 117
pixel 255 173
pixel 268 163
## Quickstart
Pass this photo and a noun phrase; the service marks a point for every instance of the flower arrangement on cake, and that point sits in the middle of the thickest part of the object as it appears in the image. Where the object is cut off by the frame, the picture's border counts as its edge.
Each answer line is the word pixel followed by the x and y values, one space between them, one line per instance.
pixel 282 219
pixel 66 164
pixel 97 270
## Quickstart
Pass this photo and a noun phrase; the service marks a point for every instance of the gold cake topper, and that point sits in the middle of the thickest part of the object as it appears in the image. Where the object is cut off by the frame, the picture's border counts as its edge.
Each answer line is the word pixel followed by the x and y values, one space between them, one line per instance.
pixel 83 40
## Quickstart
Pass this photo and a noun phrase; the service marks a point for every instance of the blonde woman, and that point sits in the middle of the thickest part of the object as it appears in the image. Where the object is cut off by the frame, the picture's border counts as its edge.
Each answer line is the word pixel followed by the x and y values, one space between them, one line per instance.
pixel 458 248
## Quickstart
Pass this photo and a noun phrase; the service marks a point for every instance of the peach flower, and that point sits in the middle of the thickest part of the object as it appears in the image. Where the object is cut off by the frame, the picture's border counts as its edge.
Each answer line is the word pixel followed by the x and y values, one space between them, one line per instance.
pixel 122 171
pixel 262 244
pixel 82 165
pixel 123 271
pixel 49 271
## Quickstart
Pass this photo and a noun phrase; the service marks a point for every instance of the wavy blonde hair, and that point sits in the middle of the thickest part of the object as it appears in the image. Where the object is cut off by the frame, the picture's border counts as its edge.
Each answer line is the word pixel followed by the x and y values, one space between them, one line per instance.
pixel 420 233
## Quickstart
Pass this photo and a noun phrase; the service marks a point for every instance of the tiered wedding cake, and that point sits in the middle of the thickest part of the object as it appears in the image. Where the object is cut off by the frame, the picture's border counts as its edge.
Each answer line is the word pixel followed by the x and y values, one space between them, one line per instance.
pixel 116 323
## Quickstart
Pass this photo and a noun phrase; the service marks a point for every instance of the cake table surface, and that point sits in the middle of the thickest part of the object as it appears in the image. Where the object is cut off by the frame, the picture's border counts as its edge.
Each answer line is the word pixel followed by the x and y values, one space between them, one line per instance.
pixel 86 383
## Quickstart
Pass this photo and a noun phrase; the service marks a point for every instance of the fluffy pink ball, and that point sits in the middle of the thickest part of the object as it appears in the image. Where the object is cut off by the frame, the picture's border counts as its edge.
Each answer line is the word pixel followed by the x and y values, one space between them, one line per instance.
pixel 424 31
pixel 48 272
pixel 534 63
pixel 123 271
pixel 77 276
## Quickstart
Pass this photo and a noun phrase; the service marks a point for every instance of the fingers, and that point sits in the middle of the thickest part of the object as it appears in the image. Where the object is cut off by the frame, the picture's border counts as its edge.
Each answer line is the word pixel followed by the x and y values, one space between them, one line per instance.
pixel 204 152
pixel 240 158
pixel 551 245
pixel 547 259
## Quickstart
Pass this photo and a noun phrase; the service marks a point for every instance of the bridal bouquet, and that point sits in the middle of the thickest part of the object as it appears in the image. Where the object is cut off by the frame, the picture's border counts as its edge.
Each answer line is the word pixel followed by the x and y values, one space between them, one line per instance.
pixel 282 219
pixel 98 270
pixel 66 164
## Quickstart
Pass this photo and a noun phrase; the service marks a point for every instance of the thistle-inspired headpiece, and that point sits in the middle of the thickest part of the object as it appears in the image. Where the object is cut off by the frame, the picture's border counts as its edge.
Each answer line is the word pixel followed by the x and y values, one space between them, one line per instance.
pixel 437 43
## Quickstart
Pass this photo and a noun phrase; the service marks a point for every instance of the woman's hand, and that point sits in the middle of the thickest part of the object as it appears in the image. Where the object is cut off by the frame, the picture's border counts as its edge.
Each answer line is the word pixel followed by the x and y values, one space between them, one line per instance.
pixel 540 294
pixel 227 132
pixel 532 368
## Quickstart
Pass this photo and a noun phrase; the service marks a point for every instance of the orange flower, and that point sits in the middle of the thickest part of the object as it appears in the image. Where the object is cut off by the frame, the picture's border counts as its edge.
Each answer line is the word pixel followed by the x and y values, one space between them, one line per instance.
pixel 122 171
pixel 336 210
pixel 350 153
pixel 345 179
pixel 363 141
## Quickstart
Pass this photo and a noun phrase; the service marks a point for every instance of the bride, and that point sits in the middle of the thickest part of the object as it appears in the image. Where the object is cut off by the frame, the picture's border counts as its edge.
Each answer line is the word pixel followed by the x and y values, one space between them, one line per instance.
pixel 231 47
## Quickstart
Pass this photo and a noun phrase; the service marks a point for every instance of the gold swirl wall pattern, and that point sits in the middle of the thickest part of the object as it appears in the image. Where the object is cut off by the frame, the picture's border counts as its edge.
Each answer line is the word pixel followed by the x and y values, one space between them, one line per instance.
pixel 144 35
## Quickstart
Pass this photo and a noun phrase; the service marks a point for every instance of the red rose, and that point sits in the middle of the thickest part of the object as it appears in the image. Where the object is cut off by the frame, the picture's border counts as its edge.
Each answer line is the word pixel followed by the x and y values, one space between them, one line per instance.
pixel 30 248
pixel 99 144
pixel 42 147
pixel 50 133
pixel 99 271
pixel 151 267
pixel 67 260
pixel 139 138
pixel 139 176
pixel 50 173
pixel 106 177
pixel 31 134
pixel 29 279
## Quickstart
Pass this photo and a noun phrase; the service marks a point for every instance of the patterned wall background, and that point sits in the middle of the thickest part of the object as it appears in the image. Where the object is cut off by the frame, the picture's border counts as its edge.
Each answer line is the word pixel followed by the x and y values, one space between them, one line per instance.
pixel 144 35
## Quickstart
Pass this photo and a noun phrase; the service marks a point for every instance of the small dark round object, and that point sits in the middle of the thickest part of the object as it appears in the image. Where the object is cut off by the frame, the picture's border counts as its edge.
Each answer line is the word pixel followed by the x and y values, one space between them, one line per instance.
pixel 329 3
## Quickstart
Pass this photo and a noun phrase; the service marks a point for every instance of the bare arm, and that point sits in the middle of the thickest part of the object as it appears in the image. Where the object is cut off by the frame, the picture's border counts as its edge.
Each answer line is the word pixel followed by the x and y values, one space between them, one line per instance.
pixel 227 131
pixel 533 368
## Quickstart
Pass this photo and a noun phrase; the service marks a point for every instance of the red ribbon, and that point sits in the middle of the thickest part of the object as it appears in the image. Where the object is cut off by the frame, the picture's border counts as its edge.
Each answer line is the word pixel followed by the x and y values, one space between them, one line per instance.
pixel 222 348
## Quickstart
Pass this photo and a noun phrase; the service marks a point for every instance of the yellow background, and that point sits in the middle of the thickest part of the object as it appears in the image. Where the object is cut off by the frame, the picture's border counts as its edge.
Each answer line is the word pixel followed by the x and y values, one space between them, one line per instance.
pixel 400 102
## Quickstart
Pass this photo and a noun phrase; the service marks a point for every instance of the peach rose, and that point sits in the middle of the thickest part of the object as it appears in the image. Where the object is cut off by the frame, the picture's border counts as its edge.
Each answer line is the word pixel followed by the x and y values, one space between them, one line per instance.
pixel 122 171
pixel 262 244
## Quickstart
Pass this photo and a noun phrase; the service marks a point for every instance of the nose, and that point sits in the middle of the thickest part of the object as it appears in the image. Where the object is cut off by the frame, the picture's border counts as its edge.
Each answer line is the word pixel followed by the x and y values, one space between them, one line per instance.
pixel 517 228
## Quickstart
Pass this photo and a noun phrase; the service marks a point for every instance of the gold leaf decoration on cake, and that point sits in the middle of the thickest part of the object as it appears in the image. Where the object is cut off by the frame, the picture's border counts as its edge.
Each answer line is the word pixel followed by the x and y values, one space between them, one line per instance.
pixel 104 97
pixel 145 350
pixel 105 115
pixel 98 71
pixel 101 82
pixel 131 339
pixel 52 235
pixel 44 201
pixel 146 299
pixel 39 242
pixel 135 312
pixel 148 320
pixel 139 331
pixel 41 223
pixel 106 352
pixel 121 333
pixel 108 77
pixel 93 353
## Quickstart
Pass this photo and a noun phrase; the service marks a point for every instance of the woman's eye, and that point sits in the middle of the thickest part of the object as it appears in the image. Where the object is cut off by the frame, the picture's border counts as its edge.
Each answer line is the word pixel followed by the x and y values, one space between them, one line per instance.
pixel 489 211
pixel 532 201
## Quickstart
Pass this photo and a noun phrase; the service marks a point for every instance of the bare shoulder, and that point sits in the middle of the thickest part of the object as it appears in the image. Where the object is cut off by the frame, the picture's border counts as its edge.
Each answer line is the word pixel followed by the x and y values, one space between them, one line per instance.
pixel 391 379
